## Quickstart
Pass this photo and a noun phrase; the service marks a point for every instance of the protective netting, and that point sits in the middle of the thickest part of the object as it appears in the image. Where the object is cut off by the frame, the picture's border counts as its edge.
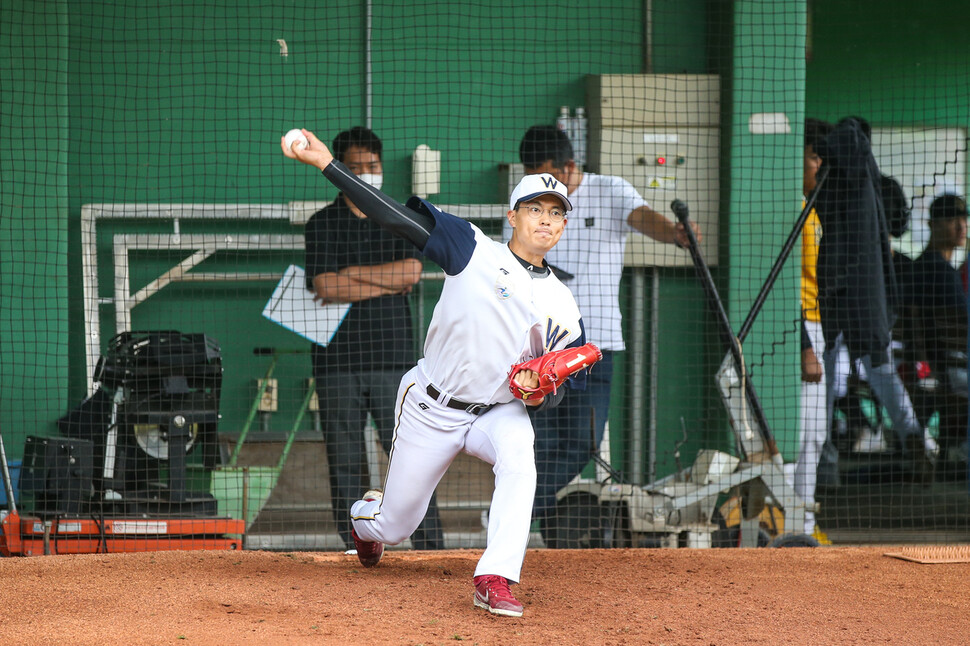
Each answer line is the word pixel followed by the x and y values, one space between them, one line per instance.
pixel 160 389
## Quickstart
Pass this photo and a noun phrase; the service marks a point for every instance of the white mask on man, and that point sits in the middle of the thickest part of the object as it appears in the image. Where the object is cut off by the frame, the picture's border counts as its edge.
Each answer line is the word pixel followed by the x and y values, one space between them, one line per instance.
pixel 373 179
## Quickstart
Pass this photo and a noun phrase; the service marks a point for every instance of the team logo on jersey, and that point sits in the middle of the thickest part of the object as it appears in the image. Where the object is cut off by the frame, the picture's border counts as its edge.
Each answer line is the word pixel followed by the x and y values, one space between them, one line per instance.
pixel 503 286
pixel 553 334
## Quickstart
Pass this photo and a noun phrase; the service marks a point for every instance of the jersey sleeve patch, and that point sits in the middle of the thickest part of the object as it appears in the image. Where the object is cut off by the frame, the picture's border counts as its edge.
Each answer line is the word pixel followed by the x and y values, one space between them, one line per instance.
pixel 452 241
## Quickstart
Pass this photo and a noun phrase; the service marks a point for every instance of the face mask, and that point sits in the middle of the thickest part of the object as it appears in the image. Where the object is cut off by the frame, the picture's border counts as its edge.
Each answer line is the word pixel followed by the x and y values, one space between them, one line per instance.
pixel 374 180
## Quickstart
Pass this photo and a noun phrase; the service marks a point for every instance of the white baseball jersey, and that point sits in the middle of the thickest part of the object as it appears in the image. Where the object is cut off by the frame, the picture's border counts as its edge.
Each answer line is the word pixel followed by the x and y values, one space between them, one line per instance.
pixel 591 249
pixel 492 313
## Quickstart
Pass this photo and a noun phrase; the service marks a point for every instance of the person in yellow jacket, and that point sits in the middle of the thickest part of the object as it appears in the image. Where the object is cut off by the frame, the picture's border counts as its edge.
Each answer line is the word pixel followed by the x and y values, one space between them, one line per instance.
pixel 812 419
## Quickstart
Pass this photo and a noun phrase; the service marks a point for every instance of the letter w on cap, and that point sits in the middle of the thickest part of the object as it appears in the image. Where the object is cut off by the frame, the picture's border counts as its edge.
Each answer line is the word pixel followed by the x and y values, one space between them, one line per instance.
pixel 550 182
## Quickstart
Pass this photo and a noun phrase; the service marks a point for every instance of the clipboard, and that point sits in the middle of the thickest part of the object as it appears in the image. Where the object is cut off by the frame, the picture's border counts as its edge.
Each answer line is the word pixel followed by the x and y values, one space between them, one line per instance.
pixel 292 306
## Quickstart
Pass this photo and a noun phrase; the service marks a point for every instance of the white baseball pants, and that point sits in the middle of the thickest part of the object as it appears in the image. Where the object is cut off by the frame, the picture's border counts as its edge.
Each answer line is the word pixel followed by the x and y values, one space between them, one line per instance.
pixel 813 430
pixel 427 438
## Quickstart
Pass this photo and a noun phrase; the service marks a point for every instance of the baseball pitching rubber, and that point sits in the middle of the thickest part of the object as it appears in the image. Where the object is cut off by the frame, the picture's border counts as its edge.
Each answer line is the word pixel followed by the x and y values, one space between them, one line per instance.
pixel 293 136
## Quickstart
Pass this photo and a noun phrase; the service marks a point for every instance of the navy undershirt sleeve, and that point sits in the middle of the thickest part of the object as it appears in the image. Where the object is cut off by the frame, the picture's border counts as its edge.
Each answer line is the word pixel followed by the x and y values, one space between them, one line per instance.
pixel 451 242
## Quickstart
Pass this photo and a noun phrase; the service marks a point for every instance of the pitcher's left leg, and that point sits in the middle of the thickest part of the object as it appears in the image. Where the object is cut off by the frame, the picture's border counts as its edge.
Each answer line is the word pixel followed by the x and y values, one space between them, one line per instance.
pixel 504 437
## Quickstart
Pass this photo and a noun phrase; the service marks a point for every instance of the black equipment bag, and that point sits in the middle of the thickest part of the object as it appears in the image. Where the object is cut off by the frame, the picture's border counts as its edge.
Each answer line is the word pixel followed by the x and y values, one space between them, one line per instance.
pixel 148 360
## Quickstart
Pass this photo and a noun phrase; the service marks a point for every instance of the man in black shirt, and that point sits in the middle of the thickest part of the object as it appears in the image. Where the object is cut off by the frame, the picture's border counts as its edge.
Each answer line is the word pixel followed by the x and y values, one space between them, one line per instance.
pixel 939 301
pixel 349 259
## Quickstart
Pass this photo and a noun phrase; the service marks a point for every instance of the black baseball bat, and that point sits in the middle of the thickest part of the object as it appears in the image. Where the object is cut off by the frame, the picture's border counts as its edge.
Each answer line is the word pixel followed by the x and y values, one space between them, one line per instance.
pixel 727 332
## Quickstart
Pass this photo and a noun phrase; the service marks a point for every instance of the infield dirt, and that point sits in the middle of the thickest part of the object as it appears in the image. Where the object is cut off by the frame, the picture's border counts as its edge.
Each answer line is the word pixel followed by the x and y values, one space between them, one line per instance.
pixel 640 596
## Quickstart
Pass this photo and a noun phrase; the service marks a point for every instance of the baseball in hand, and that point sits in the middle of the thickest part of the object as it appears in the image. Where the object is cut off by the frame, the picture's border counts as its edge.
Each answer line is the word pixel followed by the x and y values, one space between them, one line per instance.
pixel 295 136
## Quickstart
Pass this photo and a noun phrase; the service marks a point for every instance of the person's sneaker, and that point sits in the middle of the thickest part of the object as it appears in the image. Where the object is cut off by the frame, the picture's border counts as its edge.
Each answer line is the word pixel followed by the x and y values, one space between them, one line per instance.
pixel 369 552
pixel 492 593
pixel 821 537
pixel 870 441
pixel 932 446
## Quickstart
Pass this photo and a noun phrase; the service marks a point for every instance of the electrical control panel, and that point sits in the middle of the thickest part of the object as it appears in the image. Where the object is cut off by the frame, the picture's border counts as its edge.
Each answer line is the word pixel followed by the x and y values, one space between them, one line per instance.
pixel 660 133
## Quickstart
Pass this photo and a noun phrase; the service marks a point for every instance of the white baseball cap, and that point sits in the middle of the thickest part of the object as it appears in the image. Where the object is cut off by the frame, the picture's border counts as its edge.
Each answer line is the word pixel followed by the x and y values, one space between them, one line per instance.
pixel 532 186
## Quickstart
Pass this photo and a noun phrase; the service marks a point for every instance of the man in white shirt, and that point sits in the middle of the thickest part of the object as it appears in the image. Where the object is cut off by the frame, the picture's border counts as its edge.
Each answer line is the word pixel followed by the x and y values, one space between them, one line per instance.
pixel 589 260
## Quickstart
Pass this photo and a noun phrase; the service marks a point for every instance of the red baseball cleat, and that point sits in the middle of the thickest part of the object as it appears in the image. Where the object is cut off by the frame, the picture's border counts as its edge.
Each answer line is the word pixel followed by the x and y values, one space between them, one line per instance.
pixel 492 593
pixel 369 552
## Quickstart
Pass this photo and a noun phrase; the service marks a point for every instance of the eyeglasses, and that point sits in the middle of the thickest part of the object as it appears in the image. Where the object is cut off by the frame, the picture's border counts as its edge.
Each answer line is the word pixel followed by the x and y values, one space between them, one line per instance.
pixel 556 214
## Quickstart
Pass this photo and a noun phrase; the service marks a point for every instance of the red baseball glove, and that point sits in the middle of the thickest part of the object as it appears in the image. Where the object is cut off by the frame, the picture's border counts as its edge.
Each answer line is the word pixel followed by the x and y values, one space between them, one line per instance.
pixel 553 368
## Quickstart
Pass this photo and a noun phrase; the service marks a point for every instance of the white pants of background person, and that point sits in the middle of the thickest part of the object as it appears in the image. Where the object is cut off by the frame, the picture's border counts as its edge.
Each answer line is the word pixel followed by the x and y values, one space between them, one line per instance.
pixel 427 438
pixel 867 441
pixel 813 430
pixel 884 381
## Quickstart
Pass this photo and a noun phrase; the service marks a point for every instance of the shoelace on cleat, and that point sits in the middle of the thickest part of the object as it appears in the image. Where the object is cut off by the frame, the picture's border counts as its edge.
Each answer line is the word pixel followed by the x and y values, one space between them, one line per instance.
pixel 498 588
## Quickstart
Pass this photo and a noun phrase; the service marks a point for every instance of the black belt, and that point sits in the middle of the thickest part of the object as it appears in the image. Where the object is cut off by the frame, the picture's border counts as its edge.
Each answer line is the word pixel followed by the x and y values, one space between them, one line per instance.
pixel 457 404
